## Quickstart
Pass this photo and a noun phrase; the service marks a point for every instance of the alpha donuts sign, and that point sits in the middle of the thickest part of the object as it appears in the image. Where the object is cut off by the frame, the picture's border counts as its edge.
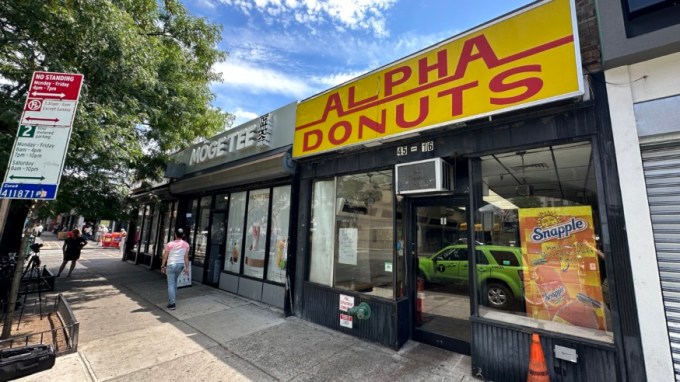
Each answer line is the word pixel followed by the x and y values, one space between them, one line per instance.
pixel 526 58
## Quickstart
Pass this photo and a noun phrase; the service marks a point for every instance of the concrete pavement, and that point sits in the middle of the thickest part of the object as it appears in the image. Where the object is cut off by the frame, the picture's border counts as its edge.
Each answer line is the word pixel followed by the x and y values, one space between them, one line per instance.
pixel 126 334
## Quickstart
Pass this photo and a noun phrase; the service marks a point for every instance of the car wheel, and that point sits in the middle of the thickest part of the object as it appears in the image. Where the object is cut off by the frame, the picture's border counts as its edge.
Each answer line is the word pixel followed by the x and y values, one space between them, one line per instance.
pixel 498 296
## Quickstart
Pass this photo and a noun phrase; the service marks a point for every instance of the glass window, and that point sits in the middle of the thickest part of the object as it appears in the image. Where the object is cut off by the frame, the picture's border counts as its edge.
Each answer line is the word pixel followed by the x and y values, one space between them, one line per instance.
pixel 481 258
pixel 539 225
pixel 399 245
pixel 278 241
pixel 321 232
pixel 138 229
pixel 361 222
pixel 191 223
pixel 153 234
pixel 146 229
pixel 221 201
pixel 202 231
pixel 167 224
pixel 169 228
pixel 256 233
pixel 237 212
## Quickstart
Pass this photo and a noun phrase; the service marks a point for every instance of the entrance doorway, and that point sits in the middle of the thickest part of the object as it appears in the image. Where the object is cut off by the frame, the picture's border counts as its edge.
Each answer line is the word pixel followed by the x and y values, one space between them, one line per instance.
pixel 439 251
pixel 213 262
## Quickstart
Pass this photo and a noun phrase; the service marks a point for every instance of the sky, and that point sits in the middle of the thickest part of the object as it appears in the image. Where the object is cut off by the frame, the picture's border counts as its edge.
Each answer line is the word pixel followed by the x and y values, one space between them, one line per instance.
pixel 281 51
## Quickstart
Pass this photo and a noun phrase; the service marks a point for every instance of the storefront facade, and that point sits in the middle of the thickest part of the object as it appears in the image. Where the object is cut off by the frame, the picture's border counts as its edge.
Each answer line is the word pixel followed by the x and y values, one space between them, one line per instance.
pixel 232 194
pixel 465 196
pixel 641 57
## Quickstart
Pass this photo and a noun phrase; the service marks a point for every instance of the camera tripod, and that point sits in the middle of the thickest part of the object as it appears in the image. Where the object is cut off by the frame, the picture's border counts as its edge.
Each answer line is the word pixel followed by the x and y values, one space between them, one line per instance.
pixel 32 278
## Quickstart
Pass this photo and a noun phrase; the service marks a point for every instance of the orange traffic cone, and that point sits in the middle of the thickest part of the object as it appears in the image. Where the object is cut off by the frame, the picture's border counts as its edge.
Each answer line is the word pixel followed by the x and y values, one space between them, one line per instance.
pixel 538 371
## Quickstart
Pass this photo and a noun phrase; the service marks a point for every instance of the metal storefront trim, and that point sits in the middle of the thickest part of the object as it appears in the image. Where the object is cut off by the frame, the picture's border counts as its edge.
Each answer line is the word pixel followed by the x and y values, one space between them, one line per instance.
pixel 661 164
pixel 258 170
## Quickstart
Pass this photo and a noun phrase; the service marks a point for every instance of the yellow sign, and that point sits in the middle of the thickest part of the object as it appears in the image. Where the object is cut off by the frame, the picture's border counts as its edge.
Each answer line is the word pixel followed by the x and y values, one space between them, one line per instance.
pixel 562 280
pixel 527 58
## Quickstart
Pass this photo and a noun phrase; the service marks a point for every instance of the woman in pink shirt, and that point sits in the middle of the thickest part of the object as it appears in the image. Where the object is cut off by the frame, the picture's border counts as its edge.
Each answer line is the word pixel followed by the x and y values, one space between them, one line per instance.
pixel 175 261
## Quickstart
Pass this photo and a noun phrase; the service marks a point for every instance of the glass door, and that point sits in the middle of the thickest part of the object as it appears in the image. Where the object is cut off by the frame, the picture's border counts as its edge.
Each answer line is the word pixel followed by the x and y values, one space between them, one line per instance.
pixel 213 263
pixel 439 251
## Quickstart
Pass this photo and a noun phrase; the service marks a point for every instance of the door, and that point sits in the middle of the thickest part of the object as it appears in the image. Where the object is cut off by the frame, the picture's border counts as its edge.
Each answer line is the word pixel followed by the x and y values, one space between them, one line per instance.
pixel 213 261
pixel 439 253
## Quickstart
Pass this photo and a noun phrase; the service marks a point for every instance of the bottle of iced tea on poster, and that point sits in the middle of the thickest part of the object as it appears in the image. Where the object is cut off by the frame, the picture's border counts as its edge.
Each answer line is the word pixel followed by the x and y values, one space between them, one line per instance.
pixel 552 289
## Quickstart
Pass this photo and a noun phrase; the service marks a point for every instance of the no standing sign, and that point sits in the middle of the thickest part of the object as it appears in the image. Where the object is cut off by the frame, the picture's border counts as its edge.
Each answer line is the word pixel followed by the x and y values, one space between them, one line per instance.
pixel 39 151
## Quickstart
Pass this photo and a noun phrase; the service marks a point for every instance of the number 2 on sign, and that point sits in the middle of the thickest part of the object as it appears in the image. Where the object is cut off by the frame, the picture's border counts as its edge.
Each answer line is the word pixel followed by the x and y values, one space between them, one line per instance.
pixel 26 131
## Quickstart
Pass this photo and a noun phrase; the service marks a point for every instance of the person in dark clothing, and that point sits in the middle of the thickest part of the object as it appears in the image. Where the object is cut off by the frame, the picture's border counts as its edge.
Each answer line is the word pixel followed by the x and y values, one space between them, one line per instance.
pixel 72 246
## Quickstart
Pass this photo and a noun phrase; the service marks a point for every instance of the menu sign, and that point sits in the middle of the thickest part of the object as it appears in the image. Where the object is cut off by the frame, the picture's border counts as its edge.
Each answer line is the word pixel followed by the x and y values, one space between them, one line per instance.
pixel 562 276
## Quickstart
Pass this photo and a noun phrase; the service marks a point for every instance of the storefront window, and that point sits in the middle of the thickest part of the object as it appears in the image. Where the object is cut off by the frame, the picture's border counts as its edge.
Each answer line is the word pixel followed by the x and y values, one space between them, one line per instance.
pixel 169 219
pixel 399 245
pixel 321 232
pixel 138 230
pixel 221 201
pixel 538 230
pixel 146 229
pixel 359 224
pixel 202 231
pixel 167 224
pixel 256 233
pixel 278 241
pixel 153 234
pixel 234 248
pixel 191 223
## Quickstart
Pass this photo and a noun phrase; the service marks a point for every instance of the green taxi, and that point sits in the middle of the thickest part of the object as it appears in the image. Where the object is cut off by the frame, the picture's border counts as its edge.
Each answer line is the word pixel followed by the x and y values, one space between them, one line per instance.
pixel 499 271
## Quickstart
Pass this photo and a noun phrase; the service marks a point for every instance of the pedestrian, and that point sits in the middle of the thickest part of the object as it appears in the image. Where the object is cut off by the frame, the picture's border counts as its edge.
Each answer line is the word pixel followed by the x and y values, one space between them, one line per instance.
pixel 87 231
pixel 72 246
pixel 37 229
pixel 175 261
pixel 100 233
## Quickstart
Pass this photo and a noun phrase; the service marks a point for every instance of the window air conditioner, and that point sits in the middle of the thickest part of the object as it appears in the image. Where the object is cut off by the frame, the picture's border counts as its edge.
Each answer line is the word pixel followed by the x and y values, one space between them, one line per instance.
pixel 430 175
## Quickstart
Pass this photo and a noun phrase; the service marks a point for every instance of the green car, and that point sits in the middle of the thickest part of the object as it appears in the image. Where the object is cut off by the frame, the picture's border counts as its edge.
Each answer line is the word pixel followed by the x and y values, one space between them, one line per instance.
pixel 499 271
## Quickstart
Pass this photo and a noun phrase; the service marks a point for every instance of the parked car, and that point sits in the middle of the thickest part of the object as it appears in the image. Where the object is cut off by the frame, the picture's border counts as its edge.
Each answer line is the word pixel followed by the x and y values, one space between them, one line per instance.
pixel 499 271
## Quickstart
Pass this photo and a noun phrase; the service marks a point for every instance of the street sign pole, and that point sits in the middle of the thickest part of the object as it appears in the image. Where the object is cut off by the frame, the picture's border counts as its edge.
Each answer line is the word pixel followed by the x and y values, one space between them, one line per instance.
pixel 38 155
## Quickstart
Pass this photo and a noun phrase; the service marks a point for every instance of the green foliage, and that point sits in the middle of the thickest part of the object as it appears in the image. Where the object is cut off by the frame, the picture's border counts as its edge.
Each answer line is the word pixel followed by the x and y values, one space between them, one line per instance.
pixel 147 66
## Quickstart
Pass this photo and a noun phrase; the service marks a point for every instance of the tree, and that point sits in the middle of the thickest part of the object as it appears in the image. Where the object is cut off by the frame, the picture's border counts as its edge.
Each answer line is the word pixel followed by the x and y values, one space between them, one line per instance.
pixel 147 67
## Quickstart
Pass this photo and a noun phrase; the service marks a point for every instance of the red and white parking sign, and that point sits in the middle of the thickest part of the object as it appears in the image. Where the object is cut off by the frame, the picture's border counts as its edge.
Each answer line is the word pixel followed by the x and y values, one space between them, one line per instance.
pixel 52 99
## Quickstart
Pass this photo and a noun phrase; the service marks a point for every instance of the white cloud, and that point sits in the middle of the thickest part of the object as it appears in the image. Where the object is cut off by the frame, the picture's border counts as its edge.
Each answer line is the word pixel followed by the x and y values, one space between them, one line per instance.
pixel 262 80
pixel 336 79
pixel 345 14
pixel 206 4
pixel 244 115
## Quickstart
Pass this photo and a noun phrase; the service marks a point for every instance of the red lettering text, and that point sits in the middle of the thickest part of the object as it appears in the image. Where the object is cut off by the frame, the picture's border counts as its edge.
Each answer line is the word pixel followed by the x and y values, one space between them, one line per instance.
pixel 457 96
pixel 441 65
pixel 378 127
pixel 484 51
pixel 423 111
pixel 318 137
pixel 346 126
pixel 404 73
pixel 531 85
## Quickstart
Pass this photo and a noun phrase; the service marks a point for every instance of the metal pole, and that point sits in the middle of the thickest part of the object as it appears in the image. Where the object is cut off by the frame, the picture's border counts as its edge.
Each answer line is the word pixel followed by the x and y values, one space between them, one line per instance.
pixel 4 211
pixel 16 281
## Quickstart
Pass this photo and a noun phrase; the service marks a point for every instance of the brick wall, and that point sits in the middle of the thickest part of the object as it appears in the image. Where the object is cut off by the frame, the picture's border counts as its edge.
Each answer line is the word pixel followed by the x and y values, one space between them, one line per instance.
pixel 588 35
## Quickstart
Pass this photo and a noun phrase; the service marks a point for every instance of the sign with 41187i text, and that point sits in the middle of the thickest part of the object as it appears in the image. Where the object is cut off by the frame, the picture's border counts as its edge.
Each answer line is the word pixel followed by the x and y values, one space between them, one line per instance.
pixel 39 151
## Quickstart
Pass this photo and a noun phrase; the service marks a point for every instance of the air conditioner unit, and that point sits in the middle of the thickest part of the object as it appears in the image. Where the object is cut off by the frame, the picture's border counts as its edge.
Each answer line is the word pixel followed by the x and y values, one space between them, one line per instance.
pixel 430 175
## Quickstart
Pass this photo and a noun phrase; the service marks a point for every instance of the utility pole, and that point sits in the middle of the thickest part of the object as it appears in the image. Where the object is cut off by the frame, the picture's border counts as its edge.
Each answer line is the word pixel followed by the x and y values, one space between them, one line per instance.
pixel 18 271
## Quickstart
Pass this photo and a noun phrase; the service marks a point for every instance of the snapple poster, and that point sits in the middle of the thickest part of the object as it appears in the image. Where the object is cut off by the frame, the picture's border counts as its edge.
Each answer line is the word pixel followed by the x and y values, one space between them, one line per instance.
pixel 562 276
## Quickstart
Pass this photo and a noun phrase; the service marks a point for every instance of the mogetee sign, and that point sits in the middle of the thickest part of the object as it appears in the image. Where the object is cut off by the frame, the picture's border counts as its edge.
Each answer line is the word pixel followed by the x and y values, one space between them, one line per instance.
pixel 526 58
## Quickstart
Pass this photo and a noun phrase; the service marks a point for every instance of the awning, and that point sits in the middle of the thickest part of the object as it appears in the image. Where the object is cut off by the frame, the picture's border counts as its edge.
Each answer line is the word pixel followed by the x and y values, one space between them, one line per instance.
pixel 271 167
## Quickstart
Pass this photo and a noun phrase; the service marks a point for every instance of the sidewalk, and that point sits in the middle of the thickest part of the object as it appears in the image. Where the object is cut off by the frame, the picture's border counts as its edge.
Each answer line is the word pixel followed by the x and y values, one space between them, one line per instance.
pixel 127 335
